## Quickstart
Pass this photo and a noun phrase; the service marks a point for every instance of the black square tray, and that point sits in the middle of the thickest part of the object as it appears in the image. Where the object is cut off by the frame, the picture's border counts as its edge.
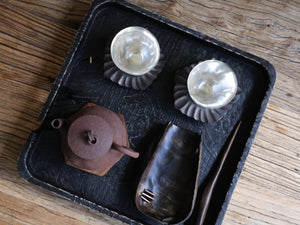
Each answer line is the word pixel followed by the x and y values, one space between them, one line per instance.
pixel 146 112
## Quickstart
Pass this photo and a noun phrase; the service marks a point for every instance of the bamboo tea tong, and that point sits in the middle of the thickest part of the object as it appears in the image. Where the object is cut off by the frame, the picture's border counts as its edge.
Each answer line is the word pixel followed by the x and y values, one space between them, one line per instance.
pixel 209 188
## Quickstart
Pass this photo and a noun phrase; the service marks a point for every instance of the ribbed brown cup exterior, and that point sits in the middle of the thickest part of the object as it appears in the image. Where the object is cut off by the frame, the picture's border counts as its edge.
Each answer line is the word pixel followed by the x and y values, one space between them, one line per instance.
pixel 184 103
pixel 141 82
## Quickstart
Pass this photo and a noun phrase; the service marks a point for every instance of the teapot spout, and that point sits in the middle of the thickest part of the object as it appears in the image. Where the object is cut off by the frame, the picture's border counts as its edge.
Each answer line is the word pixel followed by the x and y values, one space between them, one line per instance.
pixel 126 151
pixel 57 123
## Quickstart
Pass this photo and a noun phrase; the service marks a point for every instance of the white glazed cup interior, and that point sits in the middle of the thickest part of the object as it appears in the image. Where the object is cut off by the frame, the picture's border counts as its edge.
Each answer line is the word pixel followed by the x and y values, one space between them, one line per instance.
pixel 212 84
pixel 135 50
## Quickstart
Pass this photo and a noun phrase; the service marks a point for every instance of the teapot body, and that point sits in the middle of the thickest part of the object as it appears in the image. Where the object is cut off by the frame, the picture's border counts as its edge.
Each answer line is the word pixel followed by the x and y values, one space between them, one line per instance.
pixel 87 138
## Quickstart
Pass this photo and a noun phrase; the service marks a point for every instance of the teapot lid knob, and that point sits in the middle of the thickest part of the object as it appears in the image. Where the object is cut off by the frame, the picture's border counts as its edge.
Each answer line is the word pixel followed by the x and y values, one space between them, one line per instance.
pixel 90 137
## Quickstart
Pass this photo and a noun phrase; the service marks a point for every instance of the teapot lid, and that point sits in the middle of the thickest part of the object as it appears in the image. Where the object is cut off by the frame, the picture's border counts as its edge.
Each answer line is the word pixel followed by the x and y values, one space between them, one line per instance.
pixel 90 136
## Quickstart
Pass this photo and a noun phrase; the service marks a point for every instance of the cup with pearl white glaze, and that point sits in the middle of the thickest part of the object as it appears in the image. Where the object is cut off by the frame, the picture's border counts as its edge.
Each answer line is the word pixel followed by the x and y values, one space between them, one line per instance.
pixel 212 84
pixel 135 50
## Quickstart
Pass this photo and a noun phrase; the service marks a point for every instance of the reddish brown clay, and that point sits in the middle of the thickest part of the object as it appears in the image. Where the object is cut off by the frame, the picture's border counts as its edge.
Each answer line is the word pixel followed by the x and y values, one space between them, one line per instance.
pixel 94 139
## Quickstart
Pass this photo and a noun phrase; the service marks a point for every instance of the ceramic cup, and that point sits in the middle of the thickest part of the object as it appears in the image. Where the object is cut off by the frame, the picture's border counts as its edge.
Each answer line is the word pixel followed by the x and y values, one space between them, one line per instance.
pixel 212 84
pixel 135 50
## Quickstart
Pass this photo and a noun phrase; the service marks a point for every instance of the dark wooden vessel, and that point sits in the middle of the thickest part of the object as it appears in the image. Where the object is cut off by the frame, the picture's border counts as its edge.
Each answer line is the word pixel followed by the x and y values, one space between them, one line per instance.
pixel 168 187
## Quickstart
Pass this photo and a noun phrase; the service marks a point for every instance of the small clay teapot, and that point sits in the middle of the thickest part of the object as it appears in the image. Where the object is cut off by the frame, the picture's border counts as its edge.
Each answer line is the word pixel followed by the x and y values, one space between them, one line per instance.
pixel 94 139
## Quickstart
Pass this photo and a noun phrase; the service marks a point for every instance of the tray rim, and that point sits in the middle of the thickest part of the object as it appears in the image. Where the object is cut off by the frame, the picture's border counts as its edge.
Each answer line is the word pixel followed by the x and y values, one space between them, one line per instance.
pixel 62 76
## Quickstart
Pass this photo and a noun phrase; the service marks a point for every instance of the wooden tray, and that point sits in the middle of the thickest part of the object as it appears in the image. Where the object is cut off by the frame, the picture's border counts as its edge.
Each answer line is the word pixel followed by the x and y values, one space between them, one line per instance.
pixel 146 113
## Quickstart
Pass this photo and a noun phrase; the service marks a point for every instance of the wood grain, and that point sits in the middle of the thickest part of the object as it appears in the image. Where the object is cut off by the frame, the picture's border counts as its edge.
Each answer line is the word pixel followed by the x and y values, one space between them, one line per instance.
pixel 35 37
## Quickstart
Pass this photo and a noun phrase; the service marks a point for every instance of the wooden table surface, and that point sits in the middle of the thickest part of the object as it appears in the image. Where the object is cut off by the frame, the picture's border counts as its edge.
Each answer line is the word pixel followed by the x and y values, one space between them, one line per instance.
pixel 34 39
